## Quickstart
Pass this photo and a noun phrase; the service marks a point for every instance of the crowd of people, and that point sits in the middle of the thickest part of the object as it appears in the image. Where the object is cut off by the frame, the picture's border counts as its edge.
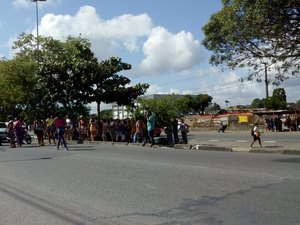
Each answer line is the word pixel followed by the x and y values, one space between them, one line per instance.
pixel 58 130
pixel 278 125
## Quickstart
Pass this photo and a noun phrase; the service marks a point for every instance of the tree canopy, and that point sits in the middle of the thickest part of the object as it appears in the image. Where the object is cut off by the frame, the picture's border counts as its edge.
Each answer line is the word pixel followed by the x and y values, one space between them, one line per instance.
pixel 247 33
pixel 277 100
pixel 257 103
pixel 198 103
pixel 16 81
pixel 62 74
pixel 174 106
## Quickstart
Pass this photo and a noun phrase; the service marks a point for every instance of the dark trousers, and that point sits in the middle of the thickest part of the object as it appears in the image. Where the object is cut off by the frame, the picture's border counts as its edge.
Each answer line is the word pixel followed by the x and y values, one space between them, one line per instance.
pixel 184 137
pixel 151 136
pixel 60 136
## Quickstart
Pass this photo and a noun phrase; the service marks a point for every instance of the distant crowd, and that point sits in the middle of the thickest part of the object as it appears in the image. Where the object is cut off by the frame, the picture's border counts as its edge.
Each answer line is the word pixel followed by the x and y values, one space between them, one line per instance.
pixel 58 130
pixel 277 124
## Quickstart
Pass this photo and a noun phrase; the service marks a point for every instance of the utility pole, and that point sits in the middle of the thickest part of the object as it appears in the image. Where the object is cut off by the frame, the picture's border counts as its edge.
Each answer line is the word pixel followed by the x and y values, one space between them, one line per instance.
pixel 37 24
pixel 266 79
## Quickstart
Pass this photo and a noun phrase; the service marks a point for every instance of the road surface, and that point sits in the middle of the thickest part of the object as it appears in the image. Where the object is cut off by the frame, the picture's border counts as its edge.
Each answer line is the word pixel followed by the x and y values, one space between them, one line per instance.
pixel 105 184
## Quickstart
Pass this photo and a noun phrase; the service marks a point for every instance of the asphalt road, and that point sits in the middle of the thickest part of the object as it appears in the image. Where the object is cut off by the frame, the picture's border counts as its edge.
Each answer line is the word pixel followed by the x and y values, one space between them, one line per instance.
pixel 244 136
pixel 105 184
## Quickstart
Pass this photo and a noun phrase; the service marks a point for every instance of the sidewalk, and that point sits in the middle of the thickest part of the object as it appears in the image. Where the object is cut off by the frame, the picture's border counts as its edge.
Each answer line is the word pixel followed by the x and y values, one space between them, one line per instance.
pixel 281 147
pixel 289 148
pixel 268 147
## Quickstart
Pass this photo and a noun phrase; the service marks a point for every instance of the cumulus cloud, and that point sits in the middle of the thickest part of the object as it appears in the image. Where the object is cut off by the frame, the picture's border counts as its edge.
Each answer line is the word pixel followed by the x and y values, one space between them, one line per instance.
pixel 106 36
pixel 166 52
pixel 163 51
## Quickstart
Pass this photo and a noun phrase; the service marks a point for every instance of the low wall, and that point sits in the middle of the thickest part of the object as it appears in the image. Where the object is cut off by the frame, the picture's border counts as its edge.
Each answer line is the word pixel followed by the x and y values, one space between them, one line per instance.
pixel 238 121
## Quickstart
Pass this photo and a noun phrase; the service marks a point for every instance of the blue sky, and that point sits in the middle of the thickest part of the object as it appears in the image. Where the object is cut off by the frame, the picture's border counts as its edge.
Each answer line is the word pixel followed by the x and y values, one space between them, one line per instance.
pixel 161 39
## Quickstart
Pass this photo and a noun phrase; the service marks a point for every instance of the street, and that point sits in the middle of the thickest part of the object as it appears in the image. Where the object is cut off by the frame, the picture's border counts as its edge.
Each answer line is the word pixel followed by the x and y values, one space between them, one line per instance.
pixel 110 184
pixel 245 136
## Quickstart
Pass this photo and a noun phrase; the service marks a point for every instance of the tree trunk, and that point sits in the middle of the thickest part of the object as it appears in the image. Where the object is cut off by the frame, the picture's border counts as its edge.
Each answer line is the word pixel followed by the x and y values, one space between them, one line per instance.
pixel 98 110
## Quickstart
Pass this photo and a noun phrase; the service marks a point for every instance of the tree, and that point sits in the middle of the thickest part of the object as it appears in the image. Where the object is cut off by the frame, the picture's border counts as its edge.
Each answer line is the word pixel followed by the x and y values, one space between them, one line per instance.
pixel 172 106
pixel 110 87
pixel 213 107
pixel 106 114
pixel 64 71
pixel 17 79
pixel 199 102
pixel 277 100
pixel 252 32
pixel 164 109
pixel 70 75
pixel 257 103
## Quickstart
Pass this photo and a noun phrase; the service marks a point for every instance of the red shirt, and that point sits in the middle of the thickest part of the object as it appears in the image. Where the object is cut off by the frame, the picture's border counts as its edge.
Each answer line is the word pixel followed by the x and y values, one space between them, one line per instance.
pixel 59 123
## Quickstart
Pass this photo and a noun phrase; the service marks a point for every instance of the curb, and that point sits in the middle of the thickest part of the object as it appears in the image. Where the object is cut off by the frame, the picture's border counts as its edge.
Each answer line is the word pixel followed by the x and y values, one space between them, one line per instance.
pixel 204 147
pixel 290 152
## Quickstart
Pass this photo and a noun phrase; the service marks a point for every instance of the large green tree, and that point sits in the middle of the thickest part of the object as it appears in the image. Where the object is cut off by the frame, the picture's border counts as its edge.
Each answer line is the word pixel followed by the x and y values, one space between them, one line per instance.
pixel 64 71
pixel 164 109
pixel 198 103
pixel 172 106
pixel 247 33
pixel 257 103
pixel 277 100
pixel 70 75
pixel 17 79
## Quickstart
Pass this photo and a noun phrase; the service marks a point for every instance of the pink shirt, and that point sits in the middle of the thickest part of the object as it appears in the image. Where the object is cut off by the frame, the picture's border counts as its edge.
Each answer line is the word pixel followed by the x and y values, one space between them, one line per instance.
pixel 59 123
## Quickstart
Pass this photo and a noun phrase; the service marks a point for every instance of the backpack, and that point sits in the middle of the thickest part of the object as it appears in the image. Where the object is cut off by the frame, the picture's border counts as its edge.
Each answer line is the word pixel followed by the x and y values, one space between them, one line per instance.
pixel 252 132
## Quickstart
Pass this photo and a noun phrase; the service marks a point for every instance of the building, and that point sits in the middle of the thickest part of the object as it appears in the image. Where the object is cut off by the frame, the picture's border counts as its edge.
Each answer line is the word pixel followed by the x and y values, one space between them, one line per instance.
pixel 120 112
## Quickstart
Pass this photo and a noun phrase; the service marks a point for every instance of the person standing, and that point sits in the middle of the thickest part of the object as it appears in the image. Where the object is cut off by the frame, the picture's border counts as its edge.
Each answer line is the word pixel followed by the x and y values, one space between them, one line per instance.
pixel 93 129
pixel 18 131
pixel 60 125
pixel 256 135
pixel 69 128
pixel 184 130
pixel 175 130
pixel 138 136
pixel 150 127
pixel 104 130
pixel 10 132
pixel 50 129
pixel 39 127
pixel 112 130
pixel 82 129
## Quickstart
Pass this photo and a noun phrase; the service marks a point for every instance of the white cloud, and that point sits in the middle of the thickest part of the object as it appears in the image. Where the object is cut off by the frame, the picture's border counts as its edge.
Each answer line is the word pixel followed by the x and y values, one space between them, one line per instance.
pixel 166 52
pixel 21 3
pixel 106 36
pixel 29 3
pixel 158 89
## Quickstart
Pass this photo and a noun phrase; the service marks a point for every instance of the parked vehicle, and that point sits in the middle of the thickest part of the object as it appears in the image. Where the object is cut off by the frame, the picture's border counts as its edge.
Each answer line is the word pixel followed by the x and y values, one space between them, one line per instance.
pixel 27 138
pixel 3 132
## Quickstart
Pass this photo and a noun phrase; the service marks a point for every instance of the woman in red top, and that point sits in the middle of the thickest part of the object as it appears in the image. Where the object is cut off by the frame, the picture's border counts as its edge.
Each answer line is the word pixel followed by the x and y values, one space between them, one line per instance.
pixel 60 124
pixel 82 128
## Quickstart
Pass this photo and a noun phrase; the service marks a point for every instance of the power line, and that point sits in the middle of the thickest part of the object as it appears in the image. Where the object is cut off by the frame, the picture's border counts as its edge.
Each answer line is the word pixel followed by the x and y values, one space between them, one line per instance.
pixel 215 84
